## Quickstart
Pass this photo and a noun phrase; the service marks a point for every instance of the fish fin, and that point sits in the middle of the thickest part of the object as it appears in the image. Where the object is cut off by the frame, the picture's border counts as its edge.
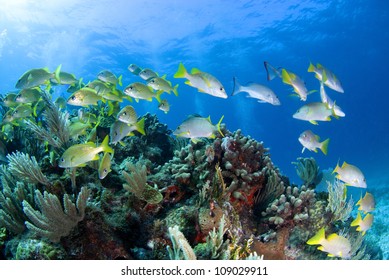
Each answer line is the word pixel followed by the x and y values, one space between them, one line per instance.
pixel 158 95
pixel 315 150
pixel 96 157
pixel 181 72
pixel 313 122
pixel 236 88
pixel 303 150
pixel 311 91
pixel 357 220
pixel 128 98
pixel 122 143
pixel 137 100
pixel 56 73
pixel 286 77
pixel 324 76
pixel 345 164
pixel 318 238
pixel 105 146
pixel 324 146
pixel 218 126
pixel 331 255
pixel 332 236
pixel 140 126
pixel 120 80
pixel 175 90
pixel 311 67
pixel 187 82
pixel 271 72
pixel 195 71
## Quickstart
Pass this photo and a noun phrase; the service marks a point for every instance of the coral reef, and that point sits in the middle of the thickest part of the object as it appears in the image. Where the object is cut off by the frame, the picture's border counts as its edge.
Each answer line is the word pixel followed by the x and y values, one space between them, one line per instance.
pixel 165 198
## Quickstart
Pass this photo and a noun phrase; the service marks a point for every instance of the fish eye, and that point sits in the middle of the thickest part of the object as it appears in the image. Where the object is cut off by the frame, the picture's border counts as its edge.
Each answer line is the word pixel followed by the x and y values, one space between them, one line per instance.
pixel 73 97
pixel 221 88
pixel 124 113
pixel 105 170
pixel 131 87
pixel 116 133
pixel 62 160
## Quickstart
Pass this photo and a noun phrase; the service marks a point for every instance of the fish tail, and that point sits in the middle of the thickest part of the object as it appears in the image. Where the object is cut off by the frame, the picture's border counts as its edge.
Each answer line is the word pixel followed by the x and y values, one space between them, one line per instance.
pixel 237 87
pixel 318 238
pixel 271 72
pixel 324 146
pixel 218 126
pixel 140 126
pixel 357 220
pixel 175 90
pixel 311 67
pixel 56 73
pixel 286 77
pixel 105 147
pixel 181 72
pixel 120 80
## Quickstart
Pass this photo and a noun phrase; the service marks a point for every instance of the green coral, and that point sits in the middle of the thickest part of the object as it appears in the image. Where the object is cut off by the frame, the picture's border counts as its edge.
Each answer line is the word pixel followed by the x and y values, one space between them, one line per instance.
pixel 33 249
pixel 308 171
pixel 52 221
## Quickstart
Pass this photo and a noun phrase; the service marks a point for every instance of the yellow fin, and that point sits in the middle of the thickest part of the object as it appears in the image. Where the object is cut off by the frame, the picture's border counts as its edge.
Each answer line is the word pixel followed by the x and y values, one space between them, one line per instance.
pixel 318 238
pixel 311 67
pixel 357 220
pixel 195 71
pixel 324 146
pixel 181 72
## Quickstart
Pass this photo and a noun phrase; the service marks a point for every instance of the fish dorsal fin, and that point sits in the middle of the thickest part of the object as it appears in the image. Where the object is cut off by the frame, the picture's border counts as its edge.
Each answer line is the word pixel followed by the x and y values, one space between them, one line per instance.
pixel 345 164
pixel 195 71
pixel 332 236
pixel 209 119
pixel 164 77
pixel 317 137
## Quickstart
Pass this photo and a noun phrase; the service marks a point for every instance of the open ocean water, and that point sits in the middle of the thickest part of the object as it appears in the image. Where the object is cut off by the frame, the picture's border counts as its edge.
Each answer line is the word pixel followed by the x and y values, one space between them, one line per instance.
pixel 229 39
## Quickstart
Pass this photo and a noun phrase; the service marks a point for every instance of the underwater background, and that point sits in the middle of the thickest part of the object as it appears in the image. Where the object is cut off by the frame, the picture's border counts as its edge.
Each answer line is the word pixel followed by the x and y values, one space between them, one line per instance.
pixel 226 39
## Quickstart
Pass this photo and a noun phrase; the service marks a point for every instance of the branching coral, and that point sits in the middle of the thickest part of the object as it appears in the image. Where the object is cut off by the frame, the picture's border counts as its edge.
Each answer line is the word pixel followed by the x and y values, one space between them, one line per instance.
pixel 137 184
pixel 337 202
pixel 52 221
pixel 291 207
pixel 11 212
pixel 56 131
pixel 26 168
pixel 181 248
pixel 218 248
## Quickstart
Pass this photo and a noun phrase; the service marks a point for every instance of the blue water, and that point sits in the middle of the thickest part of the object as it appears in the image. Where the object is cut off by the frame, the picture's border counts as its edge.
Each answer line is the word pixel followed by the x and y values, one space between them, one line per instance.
pixel 226 39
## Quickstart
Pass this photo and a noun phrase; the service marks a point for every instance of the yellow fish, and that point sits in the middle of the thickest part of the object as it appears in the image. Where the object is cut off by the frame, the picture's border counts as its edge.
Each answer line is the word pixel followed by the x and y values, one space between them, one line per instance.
pixel 367 203
pixel 363 224
pixel 334 245
pixel 104 166
pixel 36 77
pixel 79 154
pixel 350 175
pixel 204 82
